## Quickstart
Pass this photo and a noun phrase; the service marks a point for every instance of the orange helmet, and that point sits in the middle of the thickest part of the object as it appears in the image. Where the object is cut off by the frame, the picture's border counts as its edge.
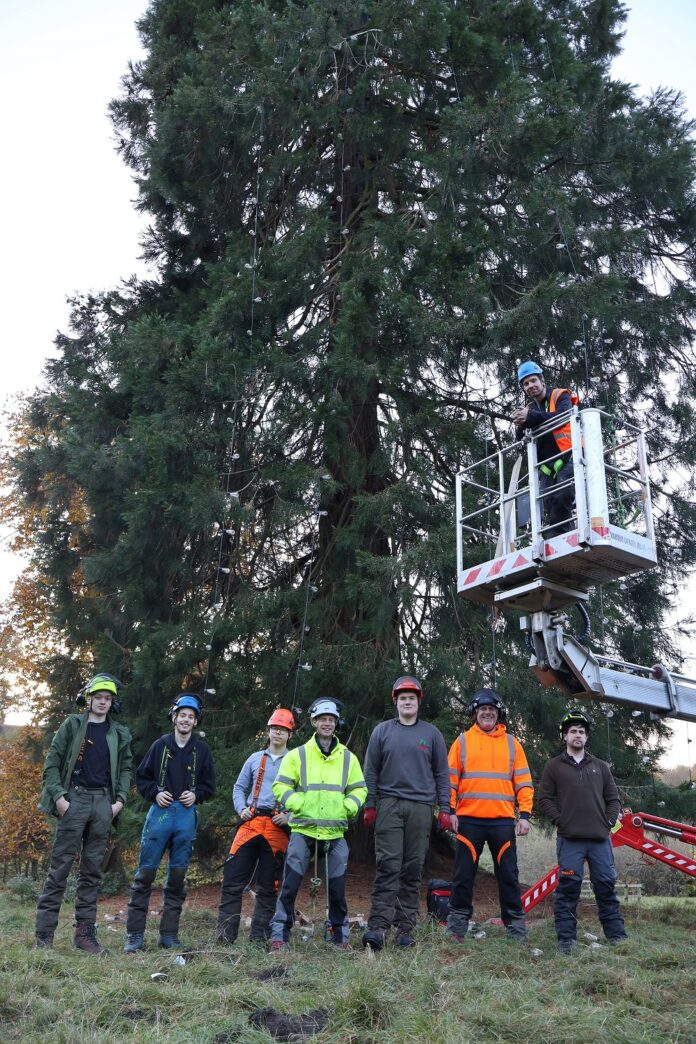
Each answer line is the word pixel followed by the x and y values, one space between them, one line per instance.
pixel 283 718
pixel 407 683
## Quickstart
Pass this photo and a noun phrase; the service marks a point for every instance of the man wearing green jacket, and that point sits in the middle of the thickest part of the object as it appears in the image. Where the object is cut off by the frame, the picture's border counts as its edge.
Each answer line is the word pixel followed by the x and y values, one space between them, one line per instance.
pixel 321 785
pixel 87 775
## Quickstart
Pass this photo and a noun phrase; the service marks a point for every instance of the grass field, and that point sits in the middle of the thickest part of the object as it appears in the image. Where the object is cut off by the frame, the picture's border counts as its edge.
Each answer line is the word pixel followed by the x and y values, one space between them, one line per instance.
pixel 490 990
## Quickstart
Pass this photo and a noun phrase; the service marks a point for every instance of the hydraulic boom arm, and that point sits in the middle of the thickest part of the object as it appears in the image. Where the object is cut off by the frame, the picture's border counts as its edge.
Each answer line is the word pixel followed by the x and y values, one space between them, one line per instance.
pixel 560 659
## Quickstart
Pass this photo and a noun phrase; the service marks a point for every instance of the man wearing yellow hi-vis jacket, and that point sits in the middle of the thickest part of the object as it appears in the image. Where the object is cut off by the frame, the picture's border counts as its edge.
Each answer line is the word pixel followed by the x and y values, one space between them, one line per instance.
pixel 321 784
pixel 489 774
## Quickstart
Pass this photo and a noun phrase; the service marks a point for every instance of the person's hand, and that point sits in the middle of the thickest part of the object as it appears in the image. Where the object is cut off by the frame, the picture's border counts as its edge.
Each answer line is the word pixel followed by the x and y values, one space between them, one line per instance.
pixel 164 799
pixel 116 808
pixel 62 806
pixel 370 817
pixel 519 416
pixel 444 821
pixel 187 798
pixel 246 814
pixel 280 818
pixel 523 826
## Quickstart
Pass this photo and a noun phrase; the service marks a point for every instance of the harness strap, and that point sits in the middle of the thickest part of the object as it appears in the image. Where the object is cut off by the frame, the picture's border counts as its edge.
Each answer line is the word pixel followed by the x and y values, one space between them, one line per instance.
pixel 259 781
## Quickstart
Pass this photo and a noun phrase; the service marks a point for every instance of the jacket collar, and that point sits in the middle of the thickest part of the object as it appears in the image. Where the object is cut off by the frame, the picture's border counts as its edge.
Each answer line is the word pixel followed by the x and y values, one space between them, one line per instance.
pixel 499 730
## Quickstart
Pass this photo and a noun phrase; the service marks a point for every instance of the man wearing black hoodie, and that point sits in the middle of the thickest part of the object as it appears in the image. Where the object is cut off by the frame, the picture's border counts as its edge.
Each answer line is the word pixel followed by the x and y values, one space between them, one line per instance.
pixel 176 775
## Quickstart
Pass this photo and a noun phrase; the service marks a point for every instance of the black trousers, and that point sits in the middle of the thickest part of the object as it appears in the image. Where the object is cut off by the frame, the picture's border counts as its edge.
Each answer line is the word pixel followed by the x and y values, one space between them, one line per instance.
pixel 499 834
pixel 558 503
pixel 255 855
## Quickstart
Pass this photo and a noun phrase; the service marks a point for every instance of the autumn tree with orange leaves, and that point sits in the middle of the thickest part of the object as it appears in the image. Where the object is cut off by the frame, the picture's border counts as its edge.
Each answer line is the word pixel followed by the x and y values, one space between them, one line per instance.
pixel 25 830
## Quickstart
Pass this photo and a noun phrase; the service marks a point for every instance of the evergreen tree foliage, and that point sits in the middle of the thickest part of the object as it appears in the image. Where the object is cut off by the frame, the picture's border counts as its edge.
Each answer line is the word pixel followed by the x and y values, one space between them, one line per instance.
pixel 361 217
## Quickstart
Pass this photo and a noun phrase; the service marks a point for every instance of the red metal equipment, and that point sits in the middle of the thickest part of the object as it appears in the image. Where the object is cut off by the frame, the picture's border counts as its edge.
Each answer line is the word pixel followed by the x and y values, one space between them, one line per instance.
pixel 630 832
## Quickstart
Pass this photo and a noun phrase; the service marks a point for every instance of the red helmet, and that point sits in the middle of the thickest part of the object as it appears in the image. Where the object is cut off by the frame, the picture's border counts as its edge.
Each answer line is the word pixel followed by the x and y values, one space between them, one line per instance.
pixel 283 718
pixel 407 683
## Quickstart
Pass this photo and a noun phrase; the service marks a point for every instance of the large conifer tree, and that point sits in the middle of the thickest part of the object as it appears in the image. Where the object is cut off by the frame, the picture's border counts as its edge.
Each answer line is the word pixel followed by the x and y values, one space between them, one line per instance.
pixel 362 215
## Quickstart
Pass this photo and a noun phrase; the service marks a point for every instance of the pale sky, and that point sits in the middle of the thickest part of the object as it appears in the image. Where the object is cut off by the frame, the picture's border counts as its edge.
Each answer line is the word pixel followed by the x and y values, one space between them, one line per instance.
pixel 69 222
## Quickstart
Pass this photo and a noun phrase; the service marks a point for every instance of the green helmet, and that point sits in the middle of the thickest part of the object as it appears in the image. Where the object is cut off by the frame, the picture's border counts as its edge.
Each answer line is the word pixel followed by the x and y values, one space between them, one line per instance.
pixel 101 683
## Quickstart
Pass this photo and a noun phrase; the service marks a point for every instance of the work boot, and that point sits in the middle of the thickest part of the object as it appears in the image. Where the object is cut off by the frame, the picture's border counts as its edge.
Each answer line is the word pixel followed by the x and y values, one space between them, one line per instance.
pixel 457 926
pixel 404 937
pixel 374 937
pixel 43 941
pixel 516 930
pixel 85 939
pixel 134 942
pixel 169 941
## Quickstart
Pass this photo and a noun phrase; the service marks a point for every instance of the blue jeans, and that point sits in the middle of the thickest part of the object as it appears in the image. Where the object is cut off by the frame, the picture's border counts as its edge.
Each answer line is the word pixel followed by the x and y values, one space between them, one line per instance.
pixel 172 829
pixel 572 856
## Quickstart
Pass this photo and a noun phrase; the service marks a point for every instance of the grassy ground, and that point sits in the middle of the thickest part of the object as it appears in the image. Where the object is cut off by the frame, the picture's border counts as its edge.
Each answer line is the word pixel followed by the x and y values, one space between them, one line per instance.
pixel 484 991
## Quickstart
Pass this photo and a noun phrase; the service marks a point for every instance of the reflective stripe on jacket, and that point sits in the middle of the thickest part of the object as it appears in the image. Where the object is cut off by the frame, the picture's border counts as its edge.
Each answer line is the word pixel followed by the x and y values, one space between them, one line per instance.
pixel 322 792
pixel 488 774
pixel 562 435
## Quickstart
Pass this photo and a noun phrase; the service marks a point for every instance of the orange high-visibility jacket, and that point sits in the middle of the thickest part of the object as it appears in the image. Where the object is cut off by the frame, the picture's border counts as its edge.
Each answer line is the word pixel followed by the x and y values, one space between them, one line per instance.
pixel 562 435
pixel 488 774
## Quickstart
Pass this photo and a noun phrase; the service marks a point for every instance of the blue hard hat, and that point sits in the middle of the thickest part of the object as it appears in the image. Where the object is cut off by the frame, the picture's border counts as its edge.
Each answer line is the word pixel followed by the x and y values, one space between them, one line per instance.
pixel 528 369
pixel 187 700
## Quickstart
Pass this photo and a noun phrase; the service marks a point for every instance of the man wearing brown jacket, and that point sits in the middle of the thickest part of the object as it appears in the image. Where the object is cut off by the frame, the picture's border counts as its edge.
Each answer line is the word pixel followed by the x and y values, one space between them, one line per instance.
pixel 578 794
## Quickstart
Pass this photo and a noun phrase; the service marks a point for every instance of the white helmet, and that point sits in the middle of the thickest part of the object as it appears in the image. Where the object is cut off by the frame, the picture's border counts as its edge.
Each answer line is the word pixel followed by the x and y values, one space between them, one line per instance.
pixel 324 705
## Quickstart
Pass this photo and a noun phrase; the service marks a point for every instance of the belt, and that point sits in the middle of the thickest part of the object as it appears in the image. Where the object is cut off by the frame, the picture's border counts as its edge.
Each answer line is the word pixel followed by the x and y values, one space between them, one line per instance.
pixel 91 790
pixel 268 812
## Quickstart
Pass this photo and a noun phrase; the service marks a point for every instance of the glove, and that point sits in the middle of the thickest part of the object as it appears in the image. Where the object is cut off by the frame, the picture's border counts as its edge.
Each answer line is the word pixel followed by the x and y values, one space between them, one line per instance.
pixel 370 817
pixel 444 820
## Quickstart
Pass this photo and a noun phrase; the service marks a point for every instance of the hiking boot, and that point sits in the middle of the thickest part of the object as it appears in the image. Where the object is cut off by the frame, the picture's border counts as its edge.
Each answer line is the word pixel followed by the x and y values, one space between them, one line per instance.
pixel 134 942
pixel 169 940
pixel 566 945
pixel 617 940
pixel 277 946
pixel 458 925
pixel 85 939
pixel 43 941
pixel 374 937
pixel 340 945
pixel 404 937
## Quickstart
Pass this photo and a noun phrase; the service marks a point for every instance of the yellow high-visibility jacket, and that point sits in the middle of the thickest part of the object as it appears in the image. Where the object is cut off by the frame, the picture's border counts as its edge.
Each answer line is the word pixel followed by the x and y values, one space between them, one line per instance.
pixel 488 774
pixel 322 792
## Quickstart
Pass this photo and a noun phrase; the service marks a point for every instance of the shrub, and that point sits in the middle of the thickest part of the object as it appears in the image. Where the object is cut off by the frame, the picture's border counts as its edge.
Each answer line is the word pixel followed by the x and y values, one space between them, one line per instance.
pixel 24 889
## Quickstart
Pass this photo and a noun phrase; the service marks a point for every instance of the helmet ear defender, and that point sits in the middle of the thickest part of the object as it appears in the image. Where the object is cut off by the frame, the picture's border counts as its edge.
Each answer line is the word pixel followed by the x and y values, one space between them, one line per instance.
pixel 101 683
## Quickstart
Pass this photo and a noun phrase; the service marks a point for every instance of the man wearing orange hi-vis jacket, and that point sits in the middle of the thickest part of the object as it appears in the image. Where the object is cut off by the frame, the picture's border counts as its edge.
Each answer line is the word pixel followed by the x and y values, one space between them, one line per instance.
pixel 489 776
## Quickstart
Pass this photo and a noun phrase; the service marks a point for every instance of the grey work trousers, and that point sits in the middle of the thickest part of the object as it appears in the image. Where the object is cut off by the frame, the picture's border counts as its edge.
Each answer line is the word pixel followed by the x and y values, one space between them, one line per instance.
pixel 402 836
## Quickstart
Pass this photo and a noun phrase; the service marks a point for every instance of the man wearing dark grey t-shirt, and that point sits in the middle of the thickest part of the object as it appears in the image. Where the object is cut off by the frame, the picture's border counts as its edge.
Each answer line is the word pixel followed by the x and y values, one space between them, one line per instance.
pixel 407 775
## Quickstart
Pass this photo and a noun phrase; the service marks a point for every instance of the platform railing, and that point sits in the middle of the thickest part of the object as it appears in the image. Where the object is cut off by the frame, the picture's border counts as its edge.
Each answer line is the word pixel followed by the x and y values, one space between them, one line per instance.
pixel 500 501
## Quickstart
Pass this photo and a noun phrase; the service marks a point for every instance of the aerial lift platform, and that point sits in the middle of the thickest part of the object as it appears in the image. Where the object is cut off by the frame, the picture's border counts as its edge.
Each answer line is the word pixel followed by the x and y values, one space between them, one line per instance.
pixel 508 558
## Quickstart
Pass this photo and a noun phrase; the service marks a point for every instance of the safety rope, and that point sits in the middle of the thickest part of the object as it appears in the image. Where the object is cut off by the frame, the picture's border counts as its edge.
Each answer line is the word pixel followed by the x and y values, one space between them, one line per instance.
pixel 315 885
